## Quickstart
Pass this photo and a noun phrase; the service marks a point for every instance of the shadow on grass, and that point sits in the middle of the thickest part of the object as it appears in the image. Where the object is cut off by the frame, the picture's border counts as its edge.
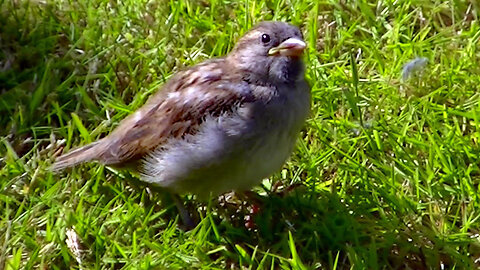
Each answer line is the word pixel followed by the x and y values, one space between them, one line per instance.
pixel 325 226
pixel 109 208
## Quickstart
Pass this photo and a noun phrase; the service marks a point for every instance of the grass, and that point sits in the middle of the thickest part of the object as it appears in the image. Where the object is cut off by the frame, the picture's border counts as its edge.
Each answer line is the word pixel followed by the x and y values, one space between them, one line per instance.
pixel 385 176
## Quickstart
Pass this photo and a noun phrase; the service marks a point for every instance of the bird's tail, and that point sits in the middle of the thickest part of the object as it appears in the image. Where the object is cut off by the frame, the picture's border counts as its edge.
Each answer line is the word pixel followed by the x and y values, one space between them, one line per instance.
pixel 83 154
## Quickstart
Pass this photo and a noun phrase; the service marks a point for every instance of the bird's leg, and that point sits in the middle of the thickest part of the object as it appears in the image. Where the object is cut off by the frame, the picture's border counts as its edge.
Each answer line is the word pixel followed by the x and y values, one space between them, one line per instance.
pixel 252 201
pixel 184 215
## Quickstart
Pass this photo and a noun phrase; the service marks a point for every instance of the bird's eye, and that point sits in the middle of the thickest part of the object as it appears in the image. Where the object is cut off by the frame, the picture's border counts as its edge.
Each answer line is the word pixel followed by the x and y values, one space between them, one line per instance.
pixel 265 38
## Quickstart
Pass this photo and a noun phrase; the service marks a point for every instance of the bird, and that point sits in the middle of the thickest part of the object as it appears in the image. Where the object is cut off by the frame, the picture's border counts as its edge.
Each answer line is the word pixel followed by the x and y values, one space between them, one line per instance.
pixel 221 125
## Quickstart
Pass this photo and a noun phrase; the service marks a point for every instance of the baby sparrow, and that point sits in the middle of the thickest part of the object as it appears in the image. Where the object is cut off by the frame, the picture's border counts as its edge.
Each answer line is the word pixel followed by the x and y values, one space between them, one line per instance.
pixel 222 125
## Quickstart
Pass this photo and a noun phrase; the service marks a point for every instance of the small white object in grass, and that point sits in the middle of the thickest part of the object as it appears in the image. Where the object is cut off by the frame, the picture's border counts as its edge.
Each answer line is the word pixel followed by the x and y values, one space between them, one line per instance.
pixel 73 244
pixel 61 142
pixel 414 67
pixel 290 225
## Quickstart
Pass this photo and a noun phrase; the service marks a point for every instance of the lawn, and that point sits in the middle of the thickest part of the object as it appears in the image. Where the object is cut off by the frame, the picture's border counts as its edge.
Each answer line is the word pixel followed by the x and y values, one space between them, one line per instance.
pixel 385 174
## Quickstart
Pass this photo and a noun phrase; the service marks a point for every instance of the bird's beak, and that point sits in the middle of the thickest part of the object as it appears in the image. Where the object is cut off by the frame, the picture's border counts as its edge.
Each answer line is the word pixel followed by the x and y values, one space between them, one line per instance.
pixel 290 47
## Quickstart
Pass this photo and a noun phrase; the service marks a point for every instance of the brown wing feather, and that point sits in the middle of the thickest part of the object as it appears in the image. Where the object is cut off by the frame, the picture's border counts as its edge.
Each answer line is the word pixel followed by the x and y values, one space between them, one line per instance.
pixel 175 111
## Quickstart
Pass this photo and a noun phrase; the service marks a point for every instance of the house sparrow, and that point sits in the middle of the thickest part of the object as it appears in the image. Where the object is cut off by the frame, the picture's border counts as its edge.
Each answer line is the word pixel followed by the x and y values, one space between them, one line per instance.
pixel 222 125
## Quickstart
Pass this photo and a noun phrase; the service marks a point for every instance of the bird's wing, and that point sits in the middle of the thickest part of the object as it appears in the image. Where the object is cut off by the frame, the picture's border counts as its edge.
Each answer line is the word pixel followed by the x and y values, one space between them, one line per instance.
pixel 176 110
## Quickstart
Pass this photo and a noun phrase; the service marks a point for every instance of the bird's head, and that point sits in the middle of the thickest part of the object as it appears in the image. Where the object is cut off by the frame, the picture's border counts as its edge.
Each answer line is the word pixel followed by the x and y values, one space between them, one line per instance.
pixel 270 53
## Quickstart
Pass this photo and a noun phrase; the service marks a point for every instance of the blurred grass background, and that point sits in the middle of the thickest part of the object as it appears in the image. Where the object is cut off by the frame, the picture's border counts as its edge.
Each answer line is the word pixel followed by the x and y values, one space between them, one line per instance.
pixel 386 172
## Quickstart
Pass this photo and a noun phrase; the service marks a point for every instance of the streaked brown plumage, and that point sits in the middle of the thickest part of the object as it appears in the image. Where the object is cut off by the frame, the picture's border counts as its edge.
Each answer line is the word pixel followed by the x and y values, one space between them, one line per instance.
pixel 163 117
